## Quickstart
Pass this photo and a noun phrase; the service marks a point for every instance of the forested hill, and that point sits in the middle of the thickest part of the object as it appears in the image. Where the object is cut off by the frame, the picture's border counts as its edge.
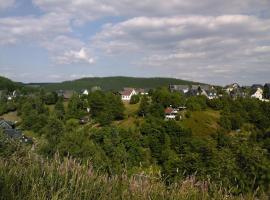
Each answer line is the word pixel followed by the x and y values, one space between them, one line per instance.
pixel 7 84
pixel 114 83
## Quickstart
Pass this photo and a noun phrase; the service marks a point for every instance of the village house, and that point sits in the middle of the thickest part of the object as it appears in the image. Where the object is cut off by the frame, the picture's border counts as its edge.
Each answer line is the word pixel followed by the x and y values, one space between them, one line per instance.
pixel 6 124
pixel 127 93
pixel 12 95
pixel 9 129
pixel 85 92
pixel 66 94
pixel 209 91
pixel 258 94
pixel 179 88
pixel 141 91
pixel 232 87
pixel 171 113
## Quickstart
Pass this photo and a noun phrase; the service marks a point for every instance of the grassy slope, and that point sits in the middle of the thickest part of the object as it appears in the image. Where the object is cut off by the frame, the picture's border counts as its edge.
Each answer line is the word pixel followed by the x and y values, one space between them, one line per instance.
pixel 130 120
pixel 11 116
pixel 114 83
pixel 202 122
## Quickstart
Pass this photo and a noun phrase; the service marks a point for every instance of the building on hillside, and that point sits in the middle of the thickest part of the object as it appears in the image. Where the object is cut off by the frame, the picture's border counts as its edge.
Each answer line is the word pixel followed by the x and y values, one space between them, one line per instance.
pixel 141 91
pixel 66 94
pixel 209 91
pixel 6 124
pixel 12 95
pixel 232 87
pixel 179 88
pixel 170 113
pixel 193 90
pixel 238 93
pixel 127 93
pixel 85 92
pixel 9 129
pixel 258 94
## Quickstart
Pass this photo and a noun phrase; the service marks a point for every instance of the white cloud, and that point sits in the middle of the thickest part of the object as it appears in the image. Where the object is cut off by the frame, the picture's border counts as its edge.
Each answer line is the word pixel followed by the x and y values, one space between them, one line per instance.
pixel 194 39
pixel 71 56
pixel 91 9
pixel 31 28
pixel 183 44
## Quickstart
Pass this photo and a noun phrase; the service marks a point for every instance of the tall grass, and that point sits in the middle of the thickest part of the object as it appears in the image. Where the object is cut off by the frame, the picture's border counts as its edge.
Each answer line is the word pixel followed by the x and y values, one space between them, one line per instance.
pixel 31 177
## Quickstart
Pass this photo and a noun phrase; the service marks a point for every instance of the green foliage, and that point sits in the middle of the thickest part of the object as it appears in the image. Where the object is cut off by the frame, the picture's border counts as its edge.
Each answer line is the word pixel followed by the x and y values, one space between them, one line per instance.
pixel 134 99
pixel 28 177
pixel 59 109
pixel 76 107
pixel 266 92
pixel 196 103
pixel 34 115
pixel 144 106
pixel 106 107
pixel 7 84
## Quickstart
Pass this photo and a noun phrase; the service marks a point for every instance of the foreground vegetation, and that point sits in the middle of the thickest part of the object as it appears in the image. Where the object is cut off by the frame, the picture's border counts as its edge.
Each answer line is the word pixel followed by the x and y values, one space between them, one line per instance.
pixel 25 176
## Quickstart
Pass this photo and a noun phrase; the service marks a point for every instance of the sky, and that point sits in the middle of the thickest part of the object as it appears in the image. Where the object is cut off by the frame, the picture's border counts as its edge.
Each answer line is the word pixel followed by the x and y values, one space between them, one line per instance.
pixel 211 41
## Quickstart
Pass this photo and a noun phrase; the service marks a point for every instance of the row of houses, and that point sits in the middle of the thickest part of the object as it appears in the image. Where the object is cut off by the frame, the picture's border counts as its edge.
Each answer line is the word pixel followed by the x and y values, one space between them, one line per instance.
pixel 193 90
pixel 127 93
pixel 233 90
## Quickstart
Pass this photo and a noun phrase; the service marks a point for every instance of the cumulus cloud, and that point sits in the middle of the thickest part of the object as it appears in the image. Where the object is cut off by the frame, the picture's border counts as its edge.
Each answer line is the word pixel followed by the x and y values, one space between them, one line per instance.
pixel 17 29
pixel 198 40
pixel 95 8
pixel 227 43
pixel 71 56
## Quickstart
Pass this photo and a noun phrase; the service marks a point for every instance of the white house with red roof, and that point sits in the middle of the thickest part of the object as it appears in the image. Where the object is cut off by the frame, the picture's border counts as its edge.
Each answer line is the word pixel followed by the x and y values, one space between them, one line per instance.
pixel 170 113
pixel 127 93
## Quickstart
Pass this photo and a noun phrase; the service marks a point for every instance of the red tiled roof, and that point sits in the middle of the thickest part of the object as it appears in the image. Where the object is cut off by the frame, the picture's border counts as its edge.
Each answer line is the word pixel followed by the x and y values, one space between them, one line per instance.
pixel 126 92
pixel 168 110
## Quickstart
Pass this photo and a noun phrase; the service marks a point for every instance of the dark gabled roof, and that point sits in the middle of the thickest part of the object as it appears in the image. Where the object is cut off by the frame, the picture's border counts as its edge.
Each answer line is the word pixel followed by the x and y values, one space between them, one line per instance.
pixel 13 133
pixel 6 124
pixel 17 134
pixel 256 86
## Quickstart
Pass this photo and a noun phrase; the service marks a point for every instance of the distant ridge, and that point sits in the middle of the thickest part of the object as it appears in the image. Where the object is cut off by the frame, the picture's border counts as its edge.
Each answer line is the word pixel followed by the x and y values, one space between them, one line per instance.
pixel 7 84
pixel 115 83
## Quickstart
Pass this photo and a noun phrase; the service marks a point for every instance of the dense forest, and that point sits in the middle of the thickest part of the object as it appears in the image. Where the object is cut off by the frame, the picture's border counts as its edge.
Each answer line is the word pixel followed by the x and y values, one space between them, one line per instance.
pixel 113 83
pixel 139 153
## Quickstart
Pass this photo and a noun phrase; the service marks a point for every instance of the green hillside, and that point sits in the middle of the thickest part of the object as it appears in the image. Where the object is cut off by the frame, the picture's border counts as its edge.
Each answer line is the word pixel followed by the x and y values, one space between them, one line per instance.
pixel 114 83
pixel 7 84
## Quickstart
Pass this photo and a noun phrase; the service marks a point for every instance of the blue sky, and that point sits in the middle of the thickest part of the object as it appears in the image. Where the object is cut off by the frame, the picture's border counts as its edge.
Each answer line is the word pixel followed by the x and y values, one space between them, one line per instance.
pixel 213 41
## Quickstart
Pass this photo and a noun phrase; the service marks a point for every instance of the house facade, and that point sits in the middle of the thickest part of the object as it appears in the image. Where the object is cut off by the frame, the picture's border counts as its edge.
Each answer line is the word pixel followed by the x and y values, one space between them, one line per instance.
pixel 179 88
pixel 171 113
pixel 127 93
pixel 258 94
